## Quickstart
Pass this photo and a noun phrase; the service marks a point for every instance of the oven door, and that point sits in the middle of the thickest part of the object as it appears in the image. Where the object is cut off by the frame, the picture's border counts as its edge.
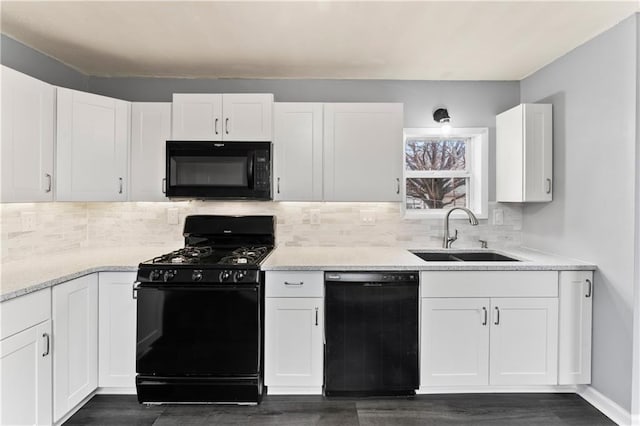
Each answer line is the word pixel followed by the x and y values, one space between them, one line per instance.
pixel 214 170
pixel 186 330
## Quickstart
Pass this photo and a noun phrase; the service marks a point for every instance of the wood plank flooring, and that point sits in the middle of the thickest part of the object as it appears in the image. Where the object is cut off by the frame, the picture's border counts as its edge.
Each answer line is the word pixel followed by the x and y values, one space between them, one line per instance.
pixel 454 409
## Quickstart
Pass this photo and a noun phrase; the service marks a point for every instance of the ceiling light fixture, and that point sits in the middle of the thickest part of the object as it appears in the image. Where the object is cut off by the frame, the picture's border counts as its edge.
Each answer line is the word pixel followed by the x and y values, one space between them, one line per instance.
pixel 441 115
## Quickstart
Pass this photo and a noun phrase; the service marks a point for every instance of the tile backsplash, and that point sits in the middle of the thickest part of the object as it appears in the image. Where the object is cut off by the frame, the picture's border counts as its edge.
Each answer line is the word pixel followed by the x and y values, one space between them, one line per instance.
pixel 66 226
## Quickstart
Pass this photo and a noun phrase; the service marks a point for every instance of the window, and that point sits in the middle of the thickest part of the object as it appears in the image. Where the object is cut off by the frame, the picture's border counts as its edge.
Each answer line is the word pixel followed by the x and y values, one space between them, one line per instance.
pixel 441 172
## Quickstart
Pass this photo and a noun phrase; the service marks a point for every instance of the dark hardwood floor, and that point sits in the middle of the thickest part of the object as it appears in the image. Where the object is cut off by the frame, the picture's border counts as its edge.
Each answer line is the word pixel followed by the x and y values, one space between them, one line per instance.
pixel 454 409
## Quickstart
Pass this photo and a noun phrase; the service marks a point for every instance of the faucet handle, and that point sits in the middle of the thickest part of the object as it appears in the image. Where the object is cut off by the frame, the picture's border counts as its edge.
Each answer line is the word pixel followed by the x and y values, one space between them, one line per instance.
pixel 483 244
pixel 450 240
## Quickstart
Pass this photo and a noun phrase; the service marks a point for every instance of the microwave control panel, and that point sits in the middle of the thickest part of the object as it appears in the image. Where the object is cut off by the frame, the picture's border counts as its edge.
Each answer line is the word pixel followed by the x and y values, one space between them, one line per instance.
pixel 262 171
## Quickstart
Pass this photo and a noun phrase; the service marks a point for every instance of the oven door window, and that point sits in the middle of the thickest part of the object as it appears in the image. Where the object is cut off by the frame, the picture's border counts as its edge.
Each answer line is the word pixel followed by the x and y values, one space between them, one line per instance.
pixel 198 331
pixel 209 171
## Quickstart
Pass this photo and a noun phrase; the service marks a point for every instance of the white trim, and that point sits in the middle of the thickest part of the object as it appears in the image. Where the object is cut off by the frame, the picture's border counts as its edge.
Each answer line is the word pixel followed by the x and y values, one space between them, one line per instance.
pixel 606 405
pixel 478 157
pixel 496 389
pixel 294 390
pixel 116 391
pixel 74 409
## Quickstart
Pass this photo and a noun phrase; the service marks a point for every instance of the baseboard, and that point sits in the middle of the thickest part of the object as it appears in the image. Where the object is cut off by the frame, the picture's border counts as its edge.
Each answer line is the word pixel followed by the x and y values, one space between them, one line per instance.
pixel 607 406
pixel 74 409
pixel 116 391
pixel 497 389
pixel 294 390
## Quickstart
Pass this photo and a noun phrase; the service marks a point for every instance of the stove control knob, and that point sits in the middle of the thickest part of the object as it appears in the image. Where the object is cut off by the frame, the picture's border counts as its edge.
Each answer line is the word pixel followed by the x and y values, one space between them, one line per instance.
pixel 154 275
pixel 224 276
pixel 196 276
pixel 168 275
pixel 239 276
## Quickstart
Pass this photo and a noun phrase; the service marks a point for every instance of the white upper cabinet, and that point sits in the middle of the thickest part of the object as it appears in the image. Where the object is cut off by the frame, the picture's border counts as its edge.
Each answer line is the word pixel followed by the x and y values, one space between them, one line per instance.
pixel 92 147
pixel 28 107
pixel 150 129
pixel 362 151
pixel 524 154
pixel 216 117
pixel 297 145
pixel 197 116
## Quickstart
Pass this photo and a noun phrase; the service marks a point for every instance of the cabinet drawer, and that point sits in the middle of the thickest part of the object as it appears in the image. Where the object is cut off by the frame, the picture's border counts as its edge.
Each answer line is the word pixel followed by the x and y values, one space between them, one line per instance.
pixel 24 311
pixel 489 283
pixel 294 284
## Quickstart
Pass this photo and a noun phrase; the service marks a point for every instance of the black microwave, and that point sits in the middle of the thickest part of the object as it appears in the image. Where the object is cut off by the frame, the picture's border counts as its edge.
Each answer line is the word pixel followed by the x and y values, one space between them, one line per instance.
pixel 218 170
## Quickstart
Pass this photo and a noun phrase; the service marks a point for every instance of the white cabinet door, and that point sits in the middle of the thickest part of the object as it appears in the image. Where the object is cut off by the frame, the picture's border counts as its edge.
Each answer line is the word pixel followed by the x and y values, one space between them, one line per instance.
pixel 247 117
pixel 362 151
pixel 455 341
pixel 75 350
pixel 297 145
pixel 294 344
pixel 28 107
pixel 524 341
pixel 117 330
pixel 150 129
pixel 92 147
pixel 25 377
pixel 524 154
pixel 197 116
pixel 576 304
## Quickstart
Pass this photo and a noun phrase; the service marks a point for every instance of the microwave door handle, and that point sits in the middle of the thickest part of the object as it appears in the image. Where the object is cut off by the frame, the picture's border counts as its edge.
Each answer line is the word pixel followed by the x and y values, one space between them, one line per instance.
pixel 250 165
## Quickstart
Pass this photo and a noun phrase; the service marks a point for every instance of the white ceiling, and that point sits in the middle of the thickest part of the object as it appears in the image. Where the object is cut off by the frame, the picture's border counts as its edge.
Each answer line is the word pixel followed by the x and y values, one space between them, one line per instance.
pixel 415 40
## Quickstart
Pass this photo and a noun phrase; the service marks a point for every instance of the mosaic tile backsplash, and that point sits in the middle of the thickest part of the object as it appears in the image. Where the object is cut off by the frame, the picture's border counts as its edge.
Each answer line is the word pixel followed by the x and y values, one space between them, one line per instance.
pixel 67 226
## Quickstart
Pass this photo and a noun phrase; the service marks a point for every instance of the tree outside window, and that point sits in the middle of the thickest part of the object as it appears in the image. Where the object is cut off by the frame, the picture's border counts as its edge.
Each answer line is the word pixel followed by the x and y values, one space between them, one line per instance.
pixel 445 184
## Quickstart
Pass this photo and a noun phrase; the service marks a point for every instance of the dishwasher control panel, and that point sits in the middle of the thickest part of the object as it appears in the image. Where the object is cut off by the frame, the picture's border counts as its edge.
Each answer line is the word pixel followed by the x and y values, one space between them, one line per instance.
pixel 378 277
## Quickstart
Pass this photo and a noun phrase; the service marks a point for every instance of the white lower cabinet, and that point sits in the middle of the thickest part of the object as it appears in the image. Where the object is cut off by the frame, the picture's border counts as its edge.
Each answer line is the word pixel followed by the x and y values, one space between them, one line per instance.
pixel 455 336
pixel 511 339
pixel 524 341
pixel 294 330
pixel 75 350
pixel 117 332
pixel 25 360
pixel 576 304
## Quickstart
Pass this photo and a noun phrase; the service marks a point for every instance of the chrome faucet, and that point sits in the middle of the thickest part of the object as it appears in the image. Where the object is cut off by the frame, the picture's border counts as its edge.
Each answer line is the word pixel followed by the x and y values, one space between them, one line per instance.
pixel 448 240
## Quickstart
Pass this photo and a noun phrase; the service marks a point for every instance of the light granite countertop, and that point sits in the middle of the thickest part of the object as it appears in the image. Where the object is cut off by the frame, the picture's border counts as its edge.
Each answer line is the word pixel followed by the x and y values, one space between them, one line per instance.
pixel 22 277
pixel 396 258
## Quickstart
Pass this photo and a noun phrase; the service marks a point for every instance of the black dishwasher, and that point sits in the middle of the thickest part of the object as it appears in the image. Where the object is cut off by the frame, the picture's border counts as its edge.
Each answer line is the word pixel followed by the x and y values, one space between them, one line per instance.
pixel 371 333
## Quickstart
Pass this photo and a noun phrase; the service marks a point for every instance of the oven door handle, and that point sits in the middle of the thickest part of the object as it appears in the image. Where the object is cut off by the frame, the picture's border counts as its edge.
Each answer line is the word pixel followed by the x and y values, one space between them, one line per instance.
pixel 203 287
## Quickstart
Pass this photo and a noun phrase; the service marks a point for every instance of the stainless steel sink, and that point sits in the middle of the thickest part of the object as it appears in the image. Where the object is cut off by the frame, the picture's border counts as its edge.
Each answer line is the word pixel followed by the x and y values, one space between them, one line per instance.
pixel 463 256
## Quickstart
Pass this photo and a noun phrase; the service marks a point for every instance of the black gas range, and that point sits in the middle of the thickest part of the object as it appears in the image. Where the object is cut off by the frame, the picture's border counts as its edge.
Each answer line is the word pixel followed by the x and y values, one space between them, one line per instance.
pixel 200 312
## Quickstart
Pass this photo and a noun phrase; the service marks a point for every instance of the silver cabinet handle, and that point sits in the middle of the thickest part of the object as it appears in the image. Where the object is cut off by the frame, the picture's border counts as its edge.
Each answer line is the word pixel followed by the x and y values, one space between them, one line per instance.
pixel 278 186
pixel 134 290
pixel 215 125
pixel 120 190
pixel 589 288
pixel 288 283
pixel 164 185
pixel 226 125
pixel 497 316
pixel 316 316
pixel 48 339
pixel 49 182
pixel 548 185
pixel 484 322
pixel 397 185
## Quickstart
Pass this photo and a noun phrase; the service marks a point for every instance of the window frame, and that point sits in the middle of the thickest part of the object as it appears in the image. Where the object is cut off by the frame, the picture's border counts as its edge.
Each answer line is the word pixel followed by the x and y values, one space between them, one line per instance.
pixel 477 164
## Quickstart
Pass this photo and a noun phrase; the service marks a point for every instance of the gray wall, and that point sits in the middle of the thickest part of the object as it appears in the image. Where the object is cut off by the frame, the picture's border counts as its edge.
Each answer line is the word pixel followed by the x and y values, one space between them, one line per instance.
pixel 31 62
pixel 593 92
